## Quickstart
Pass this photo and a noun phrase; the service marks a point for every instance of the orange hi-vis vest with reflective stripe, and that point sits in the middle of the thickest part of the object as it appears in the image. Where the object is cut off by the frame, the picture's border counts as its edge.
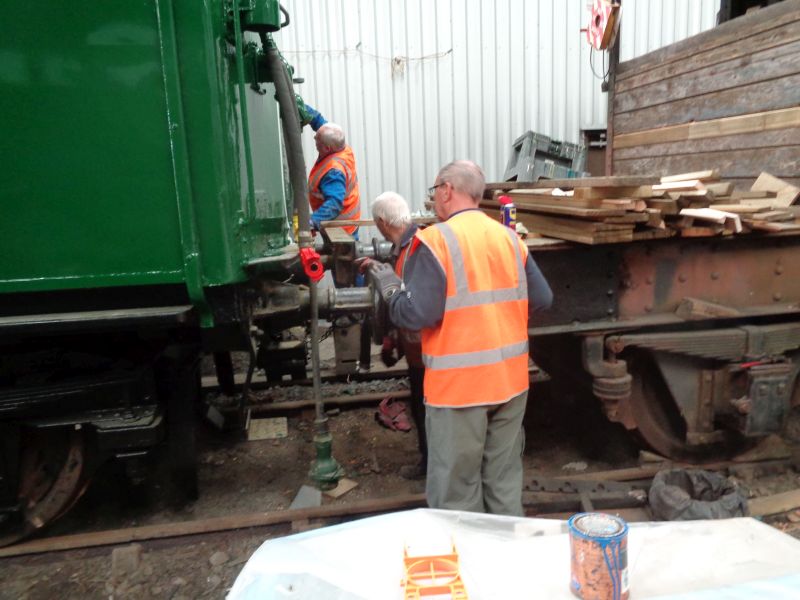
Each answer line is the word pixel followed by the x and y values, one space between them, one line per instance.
pixel 478 354
pixel 345 162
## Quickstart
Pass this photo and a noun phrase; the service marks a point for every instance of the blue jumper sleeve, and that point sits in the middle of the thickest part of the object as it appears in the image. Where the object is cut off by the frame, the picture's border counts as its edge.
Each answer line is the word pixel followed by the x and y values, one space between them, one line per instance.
pixel 317 120
pixel 333 187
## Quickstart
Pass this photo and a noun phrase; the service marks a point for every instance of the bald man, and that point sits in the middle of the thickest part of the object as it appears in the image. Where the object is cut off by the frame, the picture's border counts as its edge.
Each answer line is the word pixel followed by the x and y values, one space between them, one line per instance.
pixel 333 182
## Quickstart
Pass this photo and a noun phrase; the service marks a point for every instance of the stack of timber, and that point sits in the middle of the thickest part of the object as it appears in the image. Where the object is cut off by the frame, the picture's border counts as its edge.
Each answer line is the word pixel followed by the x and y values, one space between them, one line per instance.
pixel 602 210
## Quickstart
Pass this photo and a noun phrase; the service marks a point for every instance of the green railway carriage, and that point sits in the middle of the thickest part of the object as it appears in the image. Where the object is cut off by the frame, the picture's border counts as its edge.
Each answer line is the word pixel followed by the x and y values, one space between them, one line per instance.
pixel 133 155
pixel 143 171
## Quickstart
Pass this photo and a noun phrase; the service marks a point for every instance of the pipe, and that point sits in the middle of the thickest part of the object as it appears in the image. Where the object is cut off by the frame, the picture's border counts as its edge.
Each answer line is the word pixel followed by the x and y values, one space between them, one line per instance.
pixel 297 173
pixel 291 136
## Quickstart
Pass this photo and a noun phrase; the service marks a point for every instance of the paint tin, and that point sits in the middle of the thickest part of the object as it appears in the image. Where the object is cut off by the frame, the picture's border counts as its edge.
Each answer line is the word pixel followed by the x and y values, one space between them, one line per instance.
pixel 598 546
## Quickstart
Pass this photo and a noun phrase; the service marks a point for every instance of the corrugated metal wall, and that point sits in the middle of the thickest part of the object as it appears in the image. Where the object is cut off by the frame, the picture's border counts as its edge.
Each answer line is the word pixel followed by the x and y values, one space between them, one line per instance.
pixel 417 83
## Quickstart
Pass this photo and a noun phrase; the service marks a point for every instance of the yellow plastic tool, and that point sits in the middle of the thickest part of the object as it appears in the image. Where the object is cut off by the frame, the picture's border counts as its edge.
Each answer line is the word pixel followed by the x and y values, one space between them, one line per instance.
pixel 437 575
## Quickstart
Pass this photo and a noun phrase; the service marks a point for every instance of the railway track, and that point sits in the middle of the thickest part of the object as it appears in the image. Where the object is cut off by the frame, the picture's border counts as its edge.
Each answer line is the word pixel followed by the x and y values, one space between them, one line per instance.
pixel 556 503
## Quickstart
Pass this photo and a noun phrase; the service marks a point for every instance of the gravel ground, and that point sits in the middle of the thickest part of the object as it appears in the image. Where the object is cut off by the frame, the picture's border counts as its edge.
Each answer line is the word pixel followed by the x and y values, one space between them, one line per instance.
pixel 238 476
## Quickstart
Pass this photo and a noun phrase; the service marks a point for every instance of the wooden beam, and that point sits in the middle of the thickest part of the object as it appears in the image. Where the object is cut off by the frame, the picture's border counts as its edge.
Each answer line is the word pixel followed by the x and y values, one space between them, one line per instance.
pixel 711 175
pixel 212 525
pixel 610 181
pixel 749 123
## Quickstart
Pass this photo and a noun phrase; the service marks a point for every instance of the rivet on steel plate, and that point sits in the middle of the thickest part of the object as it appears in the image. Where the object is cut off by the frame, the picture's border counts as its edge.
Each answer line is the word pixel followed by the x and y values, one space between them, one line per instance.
pixel 649 280
pixel 714 275
pixel 609 293
pixel 648 308
pixel 777 296
pixel 682 278
pixel 778 269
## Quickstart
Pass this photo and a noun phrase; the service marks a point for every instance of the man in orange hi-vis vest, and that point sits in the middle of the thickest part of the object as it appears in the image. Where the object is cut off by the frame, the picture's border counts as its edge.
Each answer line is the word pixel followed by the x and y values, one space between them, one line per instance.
pixel 333 182
pixel 470 287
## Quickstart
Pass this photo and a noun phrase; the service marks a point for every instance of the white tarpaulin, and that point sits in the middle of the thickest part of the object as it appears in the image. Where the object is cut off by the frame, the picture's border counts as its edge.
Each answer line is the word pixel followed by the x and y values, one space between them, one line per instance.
pixel 506 557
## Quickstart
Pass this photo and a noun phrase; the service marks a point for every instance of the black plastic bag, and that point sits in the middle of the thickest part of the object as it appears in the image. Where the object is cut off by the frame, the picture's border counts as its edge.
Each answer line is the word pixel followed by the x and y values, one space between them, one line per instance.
pixel 690 494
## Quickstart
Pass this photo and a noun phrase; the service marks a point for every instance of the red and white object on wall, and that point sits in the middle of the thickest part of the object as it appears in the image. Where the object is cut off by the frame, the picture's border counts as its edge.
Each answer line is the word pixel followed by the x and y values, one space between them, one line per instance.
pixel 603 24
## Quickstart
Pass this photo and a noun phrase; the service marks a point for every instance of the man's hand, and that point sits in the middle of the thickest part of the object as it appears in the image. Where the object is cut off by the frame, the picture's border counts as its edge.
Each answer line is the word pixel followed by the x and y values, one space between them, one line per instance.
pixel 364 263
pixel 385 280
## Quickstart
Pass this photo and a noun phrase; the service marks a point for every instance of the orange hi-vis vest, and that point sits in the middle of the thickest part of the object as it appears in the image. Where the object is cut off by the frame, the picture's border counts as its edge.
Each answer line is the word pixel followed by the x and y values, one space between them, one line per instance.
pixel 344 161
pixel 478 354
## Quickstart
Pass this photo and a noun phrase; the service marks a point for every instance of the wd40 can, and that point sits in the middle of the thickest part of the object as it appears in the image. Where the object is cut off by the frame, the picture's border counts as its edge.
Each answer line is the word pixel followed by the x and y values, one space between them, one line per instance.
pixel 509 215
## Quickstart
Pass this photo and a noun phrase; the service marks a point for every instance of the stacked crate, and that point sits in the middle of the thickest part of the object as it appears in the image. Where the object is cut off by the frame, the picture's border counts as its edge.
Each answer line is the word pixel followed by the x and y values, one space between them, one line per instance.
pixel 535 156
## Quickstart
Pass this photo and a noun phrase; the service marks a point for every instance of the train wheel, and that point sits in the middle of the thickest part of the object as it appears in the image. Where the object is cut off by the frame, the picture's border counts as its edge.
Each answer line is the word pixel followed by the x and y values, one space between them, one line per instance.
pixel 658 419
pixel 52 478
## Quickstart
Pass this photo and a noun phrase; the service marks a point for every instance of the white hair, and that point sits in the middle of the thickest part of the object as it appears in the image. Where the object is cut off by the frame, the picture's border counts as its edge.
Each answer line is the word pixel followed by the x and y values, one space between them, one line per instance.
pixel 392 209
pixel 332 135
pixel 465 176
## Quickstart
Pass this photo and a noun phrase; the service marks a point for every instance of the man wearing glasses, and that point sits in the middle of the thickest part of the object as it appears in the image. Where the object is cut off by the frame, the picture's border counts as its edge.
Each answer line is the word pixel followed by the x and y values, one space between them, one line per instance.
pixel 470 287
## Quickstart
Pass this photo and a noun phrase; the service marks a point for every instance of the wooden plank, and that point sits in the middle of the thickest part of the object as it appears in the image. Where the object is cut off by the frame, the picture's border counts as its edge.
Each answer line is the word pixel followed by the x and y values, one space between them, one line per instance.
pixel 370 222
pixel 606 193
pixel 785 194
pixel 629 217
pixel 752 194
pixel 783 92
pixel 771 226
pixel 573 224
pixel 781 162
pixel 610 181
pixel 626 203
pixel 759 142
pixel 779 34
pixel 520 198
pixel 703 176
pixel 211 525
pixel 773 215
pixel 760 68
pixel 700 231
pixel 720 189
pixel 653 234
pixel 558 209
pixel 588 237
pixel 733 32
pixel 740 209
pixel 665 206
pixel 772 505
pixel 654 218
pixel 675 186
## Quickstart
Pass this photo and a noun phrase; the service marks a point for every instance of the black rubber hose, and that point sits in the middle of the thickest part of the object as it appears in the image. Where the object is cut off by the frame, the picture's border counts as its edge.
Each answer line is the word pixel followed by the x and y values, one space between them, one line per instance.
pixel 291 137
pixel 285 14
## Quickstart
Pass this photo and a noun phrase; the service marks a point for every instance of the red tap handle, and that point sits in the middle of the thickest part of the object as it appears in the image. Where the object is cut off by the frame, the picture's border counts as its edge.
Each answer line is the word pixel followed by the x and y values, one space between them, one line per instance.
pixel 312 264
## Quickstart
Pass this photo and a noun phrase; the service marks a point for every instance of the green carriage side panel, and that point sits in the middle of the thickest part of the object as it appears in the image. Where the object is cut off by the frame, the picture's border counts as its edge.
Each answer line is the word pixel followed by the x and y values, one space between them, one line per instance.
pixel 123 150
pixel 85 150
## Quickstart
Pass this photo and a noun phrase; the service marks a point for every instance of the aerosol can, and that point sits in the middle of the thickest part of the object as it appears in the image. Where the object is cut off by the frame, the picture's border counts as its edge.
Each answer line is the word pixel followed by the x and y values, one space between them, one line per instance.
pixel 508 212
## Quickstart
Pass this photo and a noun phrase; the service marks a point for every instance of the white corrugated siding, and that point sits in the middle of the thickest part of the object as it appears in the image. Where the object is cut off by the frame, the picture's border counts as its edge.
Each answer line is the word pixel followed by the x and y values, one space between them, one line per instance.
pixel 418 83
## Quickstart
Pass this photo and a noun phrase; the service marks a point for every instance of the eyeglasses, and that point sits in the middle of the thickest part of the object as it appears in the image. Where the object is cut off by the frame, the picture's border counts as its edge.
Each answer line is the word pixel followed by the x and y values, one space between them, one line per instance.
pixel 432 189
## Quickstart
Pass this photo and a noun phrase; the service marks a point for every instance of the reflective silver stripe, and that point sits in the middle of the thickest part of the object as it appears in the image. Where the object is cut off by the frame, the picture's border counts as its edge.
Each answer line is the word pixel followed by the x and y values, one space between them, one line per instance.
pixel 456 258
pixel 323 170
pixel 475 359
pixel 463 297
pixel 349 214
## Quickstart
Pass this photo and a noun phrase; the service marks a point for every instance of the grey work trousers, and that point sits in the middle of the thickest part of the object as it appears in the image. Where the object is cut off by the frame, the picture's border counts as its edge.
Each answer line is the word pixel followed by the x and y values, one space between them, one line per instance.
pixel 475 457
